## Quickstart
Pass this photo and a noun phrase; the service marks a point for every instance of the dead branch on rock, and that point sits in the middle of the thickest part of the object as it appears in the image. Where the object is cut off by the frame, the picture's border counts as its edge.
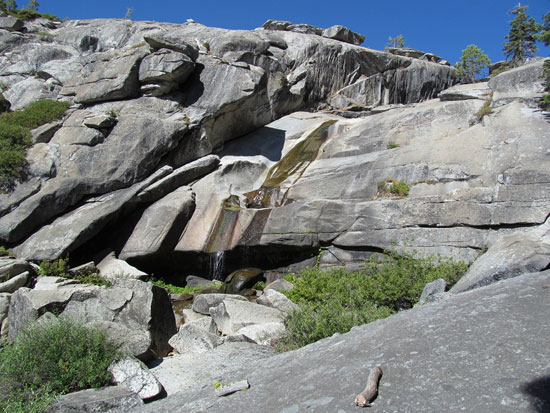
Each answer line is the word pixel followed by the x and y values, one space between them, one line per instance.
pixel 371 390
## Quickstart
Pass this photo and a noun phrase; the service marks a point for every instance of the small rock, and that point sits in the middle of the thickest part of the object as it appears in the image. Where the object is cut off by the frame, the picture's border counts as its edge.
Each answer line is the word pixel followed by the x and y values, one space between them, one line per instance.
pixel 261 334
pixel 14 283
pixel 275 299
pixel 191 338
pixel 279 285
pixel 232 315
pixel 111 267
pixel 44 133
pixel 224 390
pixel 203 302
pixel 431 290
pixel 134 375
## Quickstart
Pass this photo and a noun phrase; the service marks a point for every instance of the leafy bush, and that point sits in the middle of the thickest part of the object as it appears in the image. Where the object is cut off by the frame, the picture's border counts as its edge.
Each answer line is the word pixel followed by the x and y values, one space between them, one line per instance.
pixel 58 358
pixel 390 186
pixel 60 268
pixel 15 130
pixel 336 300
pixel 174 289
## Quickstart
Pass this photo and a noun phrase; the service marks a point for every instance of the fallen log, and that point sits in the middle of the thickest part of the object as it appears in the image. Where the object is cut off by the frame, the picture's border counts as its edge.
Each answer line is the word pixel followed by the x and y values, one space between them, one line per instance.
pixel 365 398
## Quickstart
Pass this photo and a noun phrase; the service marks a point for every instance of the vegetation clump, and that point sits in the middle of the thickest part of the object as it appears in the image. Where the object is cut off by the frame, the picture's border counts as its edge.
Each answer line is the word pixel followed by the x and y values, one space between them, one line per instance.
pixel 30 12
pixel 336 300
pixel 60 268
pixel 15 130
pixel 58 358
pixel 174 289
pixel 392 187
pixel 484 111
pixel 473 63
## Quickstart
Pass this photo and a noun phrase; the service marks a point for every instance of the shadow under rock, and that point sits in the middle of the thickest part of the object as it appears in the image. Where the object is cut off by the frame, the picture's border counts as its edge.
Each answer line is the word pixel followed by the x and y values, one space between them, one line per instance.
pixel 538 391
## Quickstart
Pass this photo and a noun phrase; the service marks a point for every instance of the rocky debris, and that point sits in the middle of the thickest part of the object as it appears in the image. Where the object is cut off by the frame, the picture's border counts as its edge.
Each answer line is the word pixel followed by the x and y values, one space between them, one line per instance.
pixel 110 267
pixel 290 27
pixel 135 314
pixel 44 133
pixel 275 299
pixel 161 224
pixel 185 371
pixel 432 292
pixel 343 34
pixel 189 315
pixel 470 91
pixel 136 377
pixel 261 334
pixel 10 267
pixel 522 82
pixel 14 283
pixel 414 53
pixel 456 336
pixel 508 256
pixel 232 315
pixel 108 399
pixel 202 303
pixel 11 23
pixel 193 338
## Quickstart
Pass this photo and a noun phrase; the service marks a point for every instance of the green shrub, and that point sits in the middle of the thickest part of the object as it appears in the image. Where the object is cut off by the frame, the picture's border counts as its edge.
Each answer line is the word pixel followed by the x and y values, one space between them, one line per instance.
pixel 336 300
pixel 484 111
pixel 59 358
pixel 174 289
pixel 545 76
pixel 15 130
pixel 60 268
pixel 392 145
pixel 390 186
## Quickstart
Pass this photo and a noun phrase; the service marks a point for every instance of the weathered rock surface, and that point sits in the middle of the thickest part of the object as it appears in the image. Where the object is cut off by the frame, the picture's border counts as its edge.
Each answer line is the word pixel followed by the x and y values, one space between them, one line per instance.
pixel 108 399
pixel 160 225
pixel 141 311
pixel 509 256
pixel 10 267
pixel 232 315
pixel 449 346
pixel 469 91
pixel 185 371
pixel 136 377
pixel 523 82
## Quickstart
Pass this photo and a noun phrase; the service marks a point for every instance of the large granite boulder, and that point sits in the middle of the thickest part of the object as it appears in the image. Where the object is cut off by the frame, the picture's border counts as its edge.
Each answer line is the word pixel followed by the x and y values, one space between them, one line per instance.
pixel 343 34
pixel 160 225
pixel 136 315
pixel 508 256
pixel 136 377
pixel 163 71
pixel 232 315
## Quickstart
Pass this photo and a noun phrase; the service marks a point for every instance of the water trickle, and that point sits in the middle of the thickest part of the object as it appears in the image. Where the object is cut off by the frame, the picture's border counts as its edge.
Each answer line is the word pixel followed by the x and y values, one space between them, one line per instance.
pixel 217 265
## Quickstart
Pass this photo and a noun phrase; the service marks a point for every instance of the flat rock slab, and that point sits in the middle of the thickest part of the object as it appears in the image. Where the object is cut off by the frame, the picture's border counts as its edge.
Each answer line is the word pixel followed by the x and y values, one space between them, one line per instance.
pixel 108 399
pixel 201 371
pixel 485 350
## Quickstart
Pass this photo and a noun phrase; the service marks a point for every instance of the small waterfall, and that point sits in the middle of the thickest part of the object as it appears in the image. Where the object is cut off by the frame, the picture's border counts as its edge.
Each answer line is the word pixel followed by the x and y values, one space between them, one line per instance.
pixel 217 265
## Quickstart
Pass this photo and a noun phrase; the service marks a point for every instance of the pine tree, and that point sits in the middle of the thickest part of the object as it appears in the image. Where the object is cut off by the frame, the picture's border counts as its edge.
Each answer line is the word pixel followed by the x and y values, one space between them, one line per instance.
pixel 397 41
pixel 33 5
pixel 544 36
pixel 11 5
pixel 473 62
pixel 522 36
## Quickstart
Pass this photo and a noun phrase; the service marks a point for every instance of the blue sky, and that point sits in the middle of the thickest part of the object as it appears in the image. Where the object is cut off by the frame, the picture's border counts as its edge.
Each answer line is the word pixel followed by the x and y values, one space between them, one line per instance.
pixel 442 27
